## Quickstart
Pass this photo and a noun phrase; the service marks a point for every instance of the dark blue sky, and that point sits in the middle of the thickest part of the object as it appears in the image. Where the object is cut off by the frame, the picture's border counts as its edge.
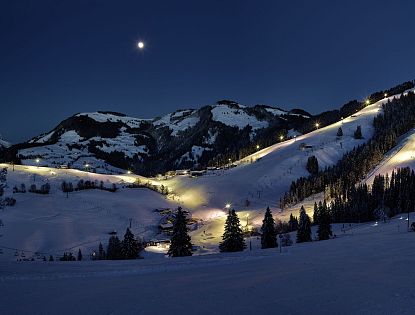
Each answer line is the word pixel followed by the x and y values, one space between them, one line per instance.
pixel 62 57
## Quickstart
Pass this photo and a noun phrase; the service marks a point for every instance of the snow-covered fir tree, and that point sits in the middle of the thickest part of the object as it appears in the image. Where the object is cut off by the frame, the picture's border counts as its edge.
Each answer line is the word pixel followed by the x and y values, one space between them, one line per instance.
pixel 114 248
pixel 101 252
pixel 233 238
pixel 358 133
pixel 79 258
pixel 339 132
pixel 316 214
pixel 3 174
pixel 180 241
pixel 130 247
pixel 292 223
pixel 269 232
pixel 312 165
pixel 324 228
pixel 304 227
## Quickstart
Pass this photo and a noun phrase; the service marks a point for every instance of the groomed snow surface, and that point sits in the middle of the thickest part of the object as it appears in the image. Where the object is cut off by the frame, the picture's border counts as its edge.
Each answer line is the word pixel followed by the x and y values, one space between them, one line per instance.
pixel 365 270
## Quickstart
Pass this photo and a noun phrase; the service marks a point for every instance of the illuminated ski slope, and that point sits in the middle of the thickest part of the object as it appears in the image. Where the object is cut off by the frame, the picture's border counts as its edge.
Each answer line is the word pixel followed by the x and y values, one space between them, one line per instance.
pixel 263 177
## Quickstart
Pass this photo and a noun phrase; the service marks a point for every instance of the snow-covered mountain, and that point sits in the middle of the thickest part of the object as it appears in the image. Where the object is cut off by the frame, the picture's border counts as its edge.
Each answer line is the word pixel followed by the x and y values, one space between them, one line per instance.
pixel 182 139
pixel 3 143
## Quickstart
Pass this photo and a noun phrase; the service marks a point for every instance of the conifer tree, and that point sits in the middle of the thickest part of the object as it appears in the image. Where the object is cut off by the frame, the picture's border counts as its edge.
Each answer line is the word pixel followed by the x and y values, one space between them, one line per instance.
pixel 316 214
pixel 312 165
pixel 269 233
pixel 130 247
pixel 339 132
pixel 304 227
pixel 101 252
pixel 79 255
pixel 114 248
pixel 324 228
pixel 180 241
pixel 293 223
pixel 232 239
pixel 358 133
pixel 3 174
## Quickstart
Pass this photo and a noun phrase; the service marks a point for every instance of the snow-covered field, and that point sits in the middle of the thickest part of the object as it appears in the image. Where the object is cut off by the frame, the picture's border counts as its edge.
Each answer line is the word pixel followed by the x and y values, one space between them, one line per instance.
pixel 366 270
pixel 51 224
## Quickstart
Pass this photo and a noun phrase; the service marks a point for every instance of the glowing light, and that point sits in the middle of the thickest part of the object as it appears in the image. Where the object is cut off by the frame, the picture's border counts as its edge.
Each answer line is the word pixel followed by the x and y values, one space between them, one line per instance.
pixel 317 125
pixel 140 45
pixel 37 161
pixel 129 172
pixel 281 137
pixel 228 206
pixel 367 102
pixel 86 165
pixel 385 95
pixel 257 146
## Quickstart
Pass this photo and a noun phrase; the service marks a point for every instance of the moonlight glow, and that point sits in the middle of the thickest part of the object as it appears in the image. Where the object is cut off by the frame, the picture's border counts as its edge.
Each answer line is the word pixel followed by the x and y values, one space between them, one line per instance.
pixel 140 45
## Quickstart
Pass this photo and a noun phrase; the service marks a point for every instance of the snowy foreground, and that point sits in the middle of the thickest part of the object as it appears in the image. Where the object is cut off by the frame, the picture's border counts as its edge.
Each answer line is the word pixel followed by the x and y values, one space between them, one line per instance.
pixel 366 270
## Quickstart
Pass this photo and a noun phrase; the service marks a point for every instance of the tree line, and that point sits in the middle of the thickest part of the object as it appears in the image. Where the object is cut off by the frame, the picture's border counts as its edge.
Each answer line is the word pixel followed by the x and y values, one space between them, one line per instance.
pixel 398 117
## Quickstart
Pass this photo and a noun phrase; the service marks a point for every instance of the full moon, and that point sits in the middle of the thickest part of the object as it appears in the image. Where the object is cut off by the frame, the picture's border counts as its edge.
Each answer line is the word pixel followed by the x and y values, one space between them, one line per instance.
pixel 140 45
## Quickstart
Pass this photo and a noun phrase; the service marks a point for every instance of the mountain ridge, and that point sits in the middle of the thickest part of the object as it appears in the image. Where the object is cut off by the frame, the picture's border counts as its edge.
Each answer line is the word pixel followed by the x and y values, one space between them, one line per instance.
pixel 213 135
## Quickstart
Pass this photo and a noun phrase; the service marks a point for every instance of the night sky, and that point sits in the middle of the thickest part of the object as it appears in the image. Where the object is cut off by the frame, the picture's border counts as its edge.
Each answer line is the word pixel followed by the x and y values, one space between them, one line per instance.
pixel 58 58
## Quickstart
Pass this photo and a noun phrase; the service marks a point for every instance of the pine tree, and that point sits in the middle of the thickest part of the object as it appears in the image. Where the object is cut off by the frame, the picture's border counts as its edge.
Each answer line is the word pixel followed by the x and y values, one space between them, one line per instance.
pixel 304 227
pixel 293 223
pixel 130 247
pixel 51 258
pixel 232 239
pixel 79 255
pixel 114 248
pixel 180 240
pixel 101 252
pixel 316 214
pixel 269 233
pixel 340 132
pixel 324 228
pixel 358 133
pixel 312 165
pixel 3 174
